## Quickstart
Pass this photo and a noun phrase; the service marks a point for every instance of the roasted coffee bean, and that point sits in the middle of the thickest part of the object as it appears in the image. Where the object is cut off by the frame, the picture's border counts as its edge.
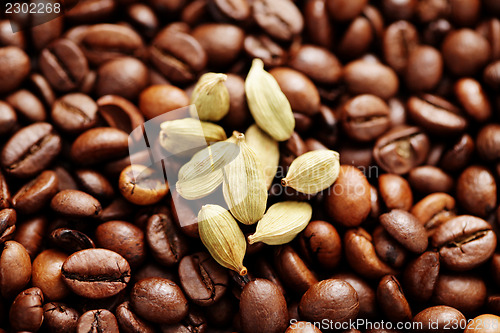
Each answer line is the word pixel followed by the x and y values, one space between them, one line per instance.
pixel 293 271
pixel 291 149
pixel 95 321
pixel 15 269
pixel 477 190
pixel 120 113
pixel 360 156
pixel 42 89
pixel 365 77
pixel 488 142
pixel 141 185
pixel 96 273
pixel 342 300
pixel 98 145
pixel 46 274
pixel 123 238
pixel 239 115
pixel 263 47
pixel 221 42
pixel 26 313
pixel 95 184
pixel 8 218
pixel 10 38
pixel 440 316
pixel 129 322
pixel 161 98
pixel 30 150
pixel 278 18
pixel 400 39
pixel 317 23
pixel 76 204
pixel 486 323
pixel 70 240
pixel 30 234
pixel 193 322
pixel 343 10
pixel 395 192
pixel 15 65
pixel 159 301
pixel 36 194
pixel 434 210
pixel 457 156
pixel 27 106
pixel 63 64
pixel 328 126
pixel 356 39
pixel 321 244
pixel 261 299
pixel 491 75
pixel 388 249
pixel 59 318
pixel 365 117
pixel 420 276
pixel 406 229
pixel 8 118
pixel 366 294
pixel 74 113
pixel 392 300
pixel 401 149
pixel 466 293
pixel 221 313
pixel 425 68
pixel 143 18
pixel 265 270
pixel 430 179
pixel 125 77
pixel 473 99
pixel 202 278
pixel 319 64
pixel 230 10
pixel 184 215
pixel 465 52
pixel 464 242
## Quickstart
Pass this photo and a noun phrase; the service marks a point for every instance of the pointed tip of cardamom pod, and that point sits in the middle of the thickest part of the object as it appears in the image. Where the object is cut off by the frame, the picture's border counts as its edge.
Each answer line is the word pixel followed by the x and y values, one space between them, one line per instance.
pixel 251 239
pixel 220 77
pixel 257 62
pixel 243 271
pixel 284 182
pixel 238 135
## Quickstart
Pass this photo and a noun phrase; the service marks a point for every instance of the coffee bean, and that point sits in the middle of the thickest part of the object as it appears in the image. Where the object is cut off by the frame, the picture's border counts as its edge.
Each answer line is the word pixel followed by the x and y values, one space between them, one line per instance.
pixel 317 22
pixel 46 274
pixel 63 64
pixel 458 155
pixel 119 113
pixel 95 321
pixel 74 113
pixel 366 294
pixel 193 322
pixel 27 106
pixel 465 52
pixel 143 18
pixel 98 145
pixel 400 39
pixel 392 300
pixel 8 218
pixel 129 322
pixel 429 179
pixel 263 47
pixel 59 318
pixel 420 276
pixel 262 299
pixel 486 323
pixel 465 13
pixel 364 77
pixel 425 68
pixel 319 64
pixel 406 229
pixel 434 210
pixel 159 99
pixel 230 10
pixel 141 185
pixel 342 300
pixel 441 315
pixel 278 18
pixel 401 149
pixel 477 190
pixel 239 115
pixel 488 142
pixel 8 118
pixel 26 313
pixel 30 150
pixel 34 195
pixel 70 240
pixel 491 75
pixel 75 204
pixel 328 126
pixel 473 99
pixel 125 77
pixel 159 301
pixel 95 184
pixel 293 271
pixel 30 234
pixel 15 269
pixel 388 249
pixel 15 65
pixel 395 192
pixel 464 242
pixel 343 10
pixel 321 244
pixel 291 149
pixel 464 292
pixel 265 270
pixel 96 273
pixel 356 39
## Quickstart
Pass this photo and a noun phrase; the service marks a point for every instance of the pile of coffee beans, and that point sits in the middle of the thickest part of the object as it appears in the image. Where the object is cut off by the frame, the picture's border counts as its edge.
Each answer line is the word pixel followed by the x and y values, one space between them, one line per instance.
pixel 407 91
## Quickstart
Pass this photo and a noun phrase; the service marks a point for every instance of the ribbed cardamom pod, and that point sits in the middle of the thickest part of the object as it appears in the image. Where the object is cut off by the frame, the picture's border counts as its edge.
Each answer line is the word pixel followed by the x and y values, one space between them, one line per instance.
pixel 282 222
pixel 266 149
pixel 268 104
pixel 244 185
pixel 183 136
pixel 203 173
pixel 222 237
pixel 313 171
pixel 210 97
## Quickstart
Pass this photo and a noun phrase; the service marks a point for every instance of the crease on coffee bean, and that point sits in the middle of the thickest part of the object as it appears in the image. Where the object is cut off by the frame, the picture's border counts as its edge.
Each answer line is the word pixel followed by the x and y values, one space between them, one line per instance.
pixel 172 61
pixel 75 111
pixel 467 238
pixel 33 149
pixel 61 64
pixel 98 278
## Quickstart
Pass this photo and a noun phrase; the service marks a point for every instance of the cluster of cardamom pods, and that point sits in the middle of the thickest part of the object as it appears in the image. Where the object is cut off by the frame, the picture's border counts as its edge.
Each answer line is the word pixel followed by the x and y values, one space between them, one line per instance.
pixel 245 165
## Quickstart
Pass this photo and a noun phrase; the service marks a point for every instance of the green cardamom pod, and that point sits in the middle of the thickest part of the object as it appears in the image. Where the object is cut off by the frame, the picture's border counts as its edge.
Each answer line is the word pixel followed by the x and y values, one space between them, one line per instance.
pixel 266 149
pixel 210 97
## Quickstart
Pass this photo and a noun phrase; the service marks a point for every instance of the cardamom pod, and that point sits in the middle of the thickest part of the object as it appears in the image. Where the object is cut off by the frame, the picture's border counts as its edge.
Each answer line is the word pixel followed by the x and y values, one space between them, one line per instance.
pixel 210 98
pixel 183 136
pixel 222 237
pixel 282 222
pixel 266 149
pixel 203 173
pixel 268 104
pixel 313 171
pixel 244 186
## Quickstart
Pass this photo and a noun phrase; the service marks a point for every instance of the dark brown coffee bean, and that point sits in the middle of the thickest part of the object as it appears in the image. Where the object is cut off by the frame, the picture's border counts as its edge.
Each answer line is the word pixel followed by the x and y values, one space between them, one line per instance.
pixel 15 65
pixel 196 11
pixel 321 244
pixel 464 242
pixel 388 249
pixel 43 34
pixel 118 112
pixel 458 155
pixel 36 194
pixel 477 190
pixel 221 42
pixel 97 321
pixel 425 68
pixel 125 77
pixel 30 150
pixel 70 240
pixel 66 181
pixel 365 117
pixel 118 209
pixel 230 10
pixel 74 113
pixel 401 149
pixel 15 269
pixel 465 293
pixel 391 299
pixel 30 234
pixel 465 13
pixel 59 318
pixel 356 155
pixel 406 229
pixel 159 301
pixel 96 273
pixel 76 204
pixel 328 126
pixel 332 299
pixel 262 299
pixel 356 39
pixel 488 142
pixel 366 294
pixel 299 90
pixel 491 75
pixel 63 65
pixel 203 280
pixel 91 11
pixel 429 179
pixel 265 270
pixel 317 22
pixel 420 276
pixel 344 10
pixel 129 322
pixel 362 255
pixel 319 64
pixel 351 189
pixel 239 115
pixel 143 18
pixel 46 274
pixel 399 10
pixel 27 106
pixel 400 39
pixel 365 77
pixel 8 218
pixel 433 210
pixel 177 55
pixel 10 38
pixel 95 184
pixel 123 238
pixel 167 244
pixel 291 149
pixel 104 42
pixel 98 145
pixel 278 18
pixel 440 316
pixel 8 118
pixel 263 47
pixel 465 52
pixel 473 99
pixel 293 271
pixel 26 313
pixel 193 322
pixel 395 192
